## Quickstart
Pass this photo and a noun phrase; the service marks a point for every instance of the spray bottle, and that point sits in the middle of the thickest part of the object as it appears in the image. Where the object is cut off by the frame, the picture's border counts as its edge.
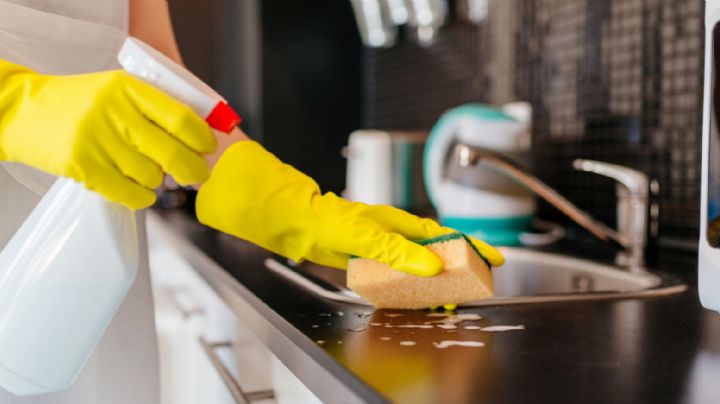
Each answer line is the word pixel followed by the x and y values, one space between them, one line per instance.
pixel 65 272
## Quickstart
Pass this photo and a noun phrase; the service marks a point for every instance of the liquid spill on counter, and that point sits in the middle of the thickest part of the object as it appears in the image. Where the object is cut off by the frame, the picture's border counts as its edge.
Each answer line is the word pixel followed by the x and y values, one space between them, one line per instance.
pixel 448 321
pixel 502 328
pixel 447 344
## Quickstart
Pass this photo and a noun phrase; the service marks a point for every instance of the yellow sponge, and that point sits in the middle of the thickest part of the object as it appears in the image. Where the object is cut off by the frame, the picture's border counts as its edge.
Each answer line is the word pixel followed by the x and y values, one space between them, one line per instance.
pixel 466 276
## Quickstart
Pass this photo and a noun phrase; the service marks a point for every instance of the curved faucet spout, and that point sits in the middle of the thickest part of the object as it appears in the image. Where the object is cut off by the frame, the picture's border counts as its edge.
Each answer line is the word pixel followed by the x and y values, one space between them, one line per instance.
pixel 470 155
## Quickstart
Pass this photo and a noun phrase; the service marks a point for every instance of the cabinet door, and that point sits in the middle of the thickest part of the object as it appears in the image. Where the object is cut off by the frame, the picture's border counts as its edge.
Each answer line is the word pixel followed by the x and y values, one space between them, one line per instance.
pixel 288 388
pixel 187 312
pixel 187 375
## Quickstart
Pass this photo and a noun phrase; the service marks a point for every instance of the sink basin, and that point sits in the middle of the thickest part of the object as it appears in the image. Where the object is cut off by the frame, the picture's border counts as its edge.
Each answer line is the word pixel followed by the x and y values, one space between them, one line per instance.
pixel 528 276
pixel 528 272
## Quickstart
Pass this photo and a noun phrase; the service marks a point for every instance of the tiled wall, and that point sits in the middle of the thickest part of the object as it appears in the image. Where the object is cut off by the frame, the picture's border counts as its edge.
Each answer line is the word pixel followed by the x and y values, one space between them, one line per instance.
pixel 613 80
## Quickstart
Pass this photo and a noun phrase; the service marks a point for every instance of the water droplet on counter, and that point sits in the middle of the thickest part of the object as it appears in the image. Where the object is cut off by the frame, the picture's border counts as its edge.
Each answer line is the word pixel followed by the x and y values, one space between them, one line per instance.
pixel 393 315
pixel 340 313
pixel 320 342
pixel 447 326
pixel 376 324
pixel 501 328
pixel 426 326
pixel 447 344
pixel 360 329
pixel 329 323
pixel 339 342
pixel 396 332
pixel 408 343
pixel 385 338
pixel 315 326
pixel 453 319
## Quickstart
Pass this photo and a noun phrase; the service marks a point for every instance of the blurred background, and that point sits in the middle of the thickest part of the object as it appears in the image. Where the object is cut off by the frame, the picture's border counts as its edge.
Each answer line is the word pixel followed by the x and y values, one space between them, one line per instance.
pixel 614 80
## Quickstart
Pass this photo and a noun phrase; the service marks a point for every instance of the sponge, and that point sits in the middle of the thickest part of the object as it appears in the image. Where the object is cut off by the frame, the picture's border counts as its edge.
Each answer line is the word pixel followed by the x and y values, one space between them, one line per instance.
pixel 466 276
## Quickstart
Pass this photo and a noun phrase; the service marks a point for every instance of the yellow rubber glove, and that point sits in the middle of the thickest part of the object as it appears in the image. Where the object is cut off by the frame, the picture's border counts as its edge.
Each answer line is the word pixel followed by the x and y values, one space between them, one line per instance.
pixel 108 131
pixel 254 196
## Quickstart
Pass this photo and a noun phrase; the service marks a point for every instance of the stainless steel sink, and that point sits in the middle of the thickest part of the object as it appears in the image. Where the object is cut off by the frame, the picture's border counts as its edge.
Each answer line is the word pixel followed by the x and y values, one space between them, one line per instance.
pixel 527 277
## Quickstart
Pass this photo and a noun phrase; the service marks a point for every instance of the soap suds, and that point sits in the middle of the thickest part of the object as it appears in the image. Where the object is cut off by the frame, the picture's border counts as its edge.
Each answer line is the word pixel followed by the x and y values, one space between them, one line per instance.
pixel 501 328
pixel 447 344
pixel 453 319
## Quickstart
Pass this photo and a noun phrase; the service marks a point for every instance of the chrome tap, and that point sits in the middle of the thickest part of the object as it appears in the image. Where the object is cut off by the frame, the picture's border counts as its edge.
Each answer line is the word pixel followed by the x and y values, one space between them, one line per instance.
pixel 632 191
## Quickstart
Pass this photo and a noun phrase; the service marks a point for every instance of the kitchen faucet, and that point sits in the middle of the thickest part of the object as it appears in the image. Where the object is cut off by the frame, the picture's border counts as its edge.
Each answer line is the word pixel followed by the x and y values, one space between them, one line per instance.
pixel 632 207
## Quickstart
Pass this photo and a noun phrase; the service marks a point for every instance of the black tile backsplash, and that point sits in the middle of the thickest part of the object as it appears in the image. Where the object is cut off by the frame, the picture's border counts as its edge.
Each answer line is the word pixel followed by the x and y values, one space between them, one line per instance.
pixel 613 80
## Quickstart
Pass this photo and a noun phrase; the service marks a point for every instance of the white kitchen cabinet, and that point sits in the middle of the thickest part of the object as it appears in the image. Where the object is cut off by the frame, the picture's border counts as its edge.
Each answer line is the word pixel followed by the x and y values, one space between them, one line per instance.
pixel 187 311
pixel 288 388
pixel 182 310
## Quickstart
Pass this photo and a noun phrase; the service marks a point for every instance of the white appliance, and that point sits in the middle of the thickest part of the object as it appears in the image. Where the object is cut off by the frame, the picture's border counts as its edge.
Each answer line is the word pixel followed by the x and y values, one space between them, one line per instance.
pixel 385 168
pixel 709 245
pixel 481 202
pixel 66 270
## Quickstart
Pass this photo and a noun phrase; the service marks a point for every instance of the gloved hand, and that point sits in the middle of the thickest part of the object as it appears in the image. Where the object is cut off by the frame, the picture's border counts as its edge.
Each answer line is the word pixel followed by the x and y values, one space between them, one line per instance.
pixel 254 196
pixel 108 130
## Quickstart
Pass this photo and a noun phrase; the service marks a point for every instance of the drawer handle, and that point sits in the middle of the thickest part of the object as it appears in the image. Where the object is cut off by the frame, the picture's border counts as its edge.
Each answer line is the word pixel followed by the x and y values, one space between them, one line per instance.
pixel 233 386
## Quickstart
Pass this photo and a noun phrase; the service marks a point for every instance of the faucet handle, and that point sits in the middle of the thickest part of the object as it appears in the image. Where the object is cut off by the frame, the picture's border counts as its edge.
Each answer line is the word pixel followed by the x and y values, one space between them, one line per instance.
pixel 635 182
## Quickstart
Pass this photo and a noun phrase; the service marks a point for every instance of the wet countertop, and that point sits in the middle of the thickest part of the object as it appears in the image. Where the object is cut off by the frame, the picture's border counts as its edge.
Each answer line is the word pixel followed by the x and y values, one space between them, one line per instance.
pixel 655 350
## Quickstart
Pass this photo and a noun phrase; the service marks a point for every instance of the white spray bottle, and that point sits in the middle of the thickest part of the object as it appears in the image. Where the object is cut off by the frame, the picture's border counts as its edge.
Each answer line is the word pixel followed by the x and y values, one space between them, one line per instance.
pixel 66 270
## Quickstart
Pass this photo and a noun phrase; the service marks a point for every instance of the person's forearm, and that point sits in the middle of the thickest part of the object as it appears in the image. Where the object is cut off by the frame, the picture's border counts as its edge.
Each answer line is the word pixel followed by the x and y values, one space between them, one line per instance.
pixel 150 22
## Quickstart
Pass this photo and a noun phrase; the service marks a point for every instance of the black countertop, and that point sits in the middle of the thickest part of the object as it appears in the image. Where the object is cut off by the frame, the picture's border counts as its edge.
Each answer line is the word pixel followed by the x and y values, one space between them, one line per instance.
pixel 654 350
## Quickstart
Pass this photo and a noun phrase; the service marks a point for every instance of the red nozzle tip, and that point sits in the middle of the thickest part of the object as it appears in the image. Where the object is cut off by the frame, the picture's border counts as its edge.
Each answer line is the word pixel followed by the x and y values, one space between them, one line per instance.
pixel 223 118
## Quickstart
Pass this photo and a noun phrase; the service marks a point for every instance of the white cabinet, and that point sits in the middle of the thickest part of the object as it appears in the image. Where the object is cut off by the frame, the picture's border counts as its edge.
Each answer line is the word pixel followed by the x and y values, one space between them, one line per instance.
pixel 182 314
pixel 200 338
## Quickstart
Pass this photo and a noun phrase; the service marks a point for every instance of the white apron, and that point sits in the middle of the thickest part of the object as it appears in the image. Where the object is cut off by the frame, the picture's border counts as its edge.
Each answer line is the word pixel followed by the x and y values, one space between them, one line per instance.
pixel 69 37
